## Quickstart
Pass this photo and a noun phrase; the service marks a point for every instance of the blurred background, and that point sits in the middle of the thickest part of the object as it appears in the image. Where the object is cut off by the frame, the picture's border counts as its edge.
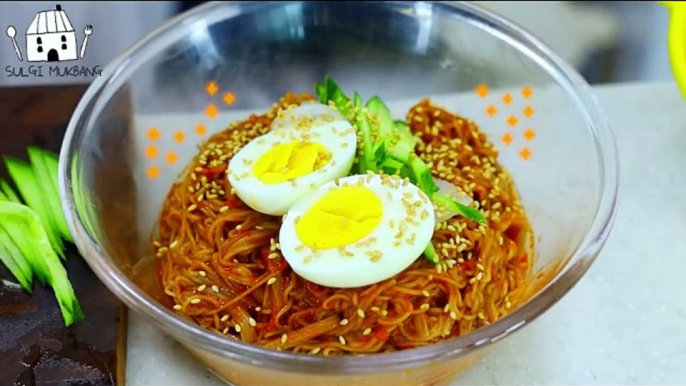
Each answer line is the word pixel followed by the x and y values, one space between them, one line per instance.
pixel 607 42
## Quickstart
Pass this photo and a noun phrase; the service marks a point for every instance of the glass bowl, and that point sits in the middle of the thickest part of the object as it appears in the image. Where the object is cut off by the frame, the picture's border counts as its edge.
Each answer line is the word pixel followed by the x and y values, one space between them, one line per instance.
pixel 141 122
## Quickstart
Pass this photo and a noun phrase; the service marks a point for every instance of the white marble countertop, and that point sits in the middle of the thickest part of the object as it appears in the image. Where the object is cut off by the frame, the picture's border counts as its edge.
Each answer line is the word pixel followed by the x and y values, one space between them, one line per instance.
pixel 624 323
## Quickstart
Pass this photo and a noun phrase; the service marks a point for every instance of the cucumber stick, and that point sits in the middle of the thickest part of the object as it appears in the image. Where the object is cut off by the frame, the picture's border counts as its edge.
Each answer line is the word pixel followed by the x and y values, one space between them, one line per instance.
pixel 11 256
pixel 27 232
pixel 44 165
pixel 30 188
pixel 8 192
pixel 367 160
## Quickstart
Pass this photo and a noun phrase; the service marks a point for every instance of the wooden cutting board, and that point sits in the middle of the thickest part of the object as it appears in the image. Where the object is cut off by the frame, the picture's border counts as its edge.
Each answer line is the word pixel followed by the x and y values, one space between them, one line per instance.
pixel 35 346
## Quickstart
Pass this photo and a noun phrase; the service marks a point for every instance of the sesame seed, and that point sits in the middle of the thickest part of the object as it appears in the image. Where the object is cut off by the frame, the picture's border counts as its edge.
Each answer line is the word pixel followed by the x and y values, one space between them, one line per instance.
pixel 367 331
pixel 446 308
pixel 237 328
pixel 177 307
pixel 252 322
pixel 426 293
pixel 223 209
pixel 481 315
pixel 202 273
pixel 284 338
pixel 315 350
pixel 453 315
pixel 508 304
pixel 224 318
pixel 202 288
pixel 360 313
pixel 374 255
pixel 273 256
pixel 424 307
pixel 384 313
pixel 342 340
pixel 195 301
pixel 215 289
pixel 343 322
pixel 375 309
pixel 192 207
pixel 271 281
pixel 479 276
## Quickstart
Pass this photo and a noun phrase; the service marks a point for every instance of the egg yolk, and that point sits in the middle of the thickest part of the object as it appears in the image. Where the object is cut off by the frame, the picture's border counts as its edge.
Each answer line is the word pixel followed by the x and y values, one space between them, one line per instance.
pixel 290 160
pixel 340 217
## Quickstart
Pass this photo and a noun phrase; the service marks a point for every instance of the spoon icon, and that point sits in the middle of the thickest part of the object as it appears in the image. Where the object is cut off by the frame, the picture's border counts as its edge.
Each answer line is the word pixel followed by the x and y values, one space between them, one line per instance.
pixel 11 33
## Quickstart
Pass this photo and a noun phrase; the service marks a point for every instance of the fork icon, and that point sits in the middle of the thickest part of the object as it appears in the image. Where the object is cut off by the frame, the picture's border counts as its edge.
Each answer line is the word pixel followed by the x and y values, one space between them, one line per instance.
pixel 87 31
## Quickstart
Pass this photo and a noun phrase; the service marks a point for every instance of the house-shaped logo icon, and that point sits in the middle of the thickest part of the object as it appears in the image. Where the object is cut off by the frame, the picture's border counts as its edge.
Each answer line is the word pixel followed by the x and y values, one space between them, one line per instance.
pixel 51 38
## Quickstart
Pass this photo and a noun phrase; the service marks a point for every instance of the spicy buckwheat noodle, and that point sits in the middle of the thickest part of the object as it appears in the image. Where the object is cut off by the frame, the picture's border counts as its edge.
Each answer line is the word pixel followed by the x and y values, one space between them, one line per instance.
pixel 219 260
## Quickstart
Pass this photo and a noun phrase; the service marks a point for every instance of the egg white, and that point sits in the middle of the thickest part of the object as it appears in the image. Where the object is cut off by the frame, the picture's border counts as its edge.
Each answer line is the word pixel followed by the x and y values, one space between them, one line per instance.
pixel 332 267
pixel 326 126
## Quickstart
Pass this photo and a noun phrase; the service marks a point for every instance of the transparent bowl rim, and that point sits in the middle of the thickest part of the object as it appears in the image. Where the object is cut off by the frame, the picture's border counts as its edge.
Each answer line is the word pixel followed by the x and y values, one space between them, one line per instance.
pixel 193 335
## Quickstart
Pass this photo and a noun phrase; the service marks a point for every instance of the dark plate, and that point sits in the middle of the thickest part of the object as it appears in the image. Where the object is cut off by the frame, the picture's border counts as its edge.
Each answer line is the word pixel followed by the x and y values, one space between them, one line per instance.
pixel 35 346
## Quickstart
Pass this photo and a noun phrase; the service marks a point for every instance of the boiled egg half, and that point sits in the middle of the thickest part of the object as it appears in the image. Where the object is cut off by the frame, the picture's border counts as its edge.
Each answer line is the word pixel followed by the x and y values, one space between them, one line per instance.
pixel 307 146
pixel 357 230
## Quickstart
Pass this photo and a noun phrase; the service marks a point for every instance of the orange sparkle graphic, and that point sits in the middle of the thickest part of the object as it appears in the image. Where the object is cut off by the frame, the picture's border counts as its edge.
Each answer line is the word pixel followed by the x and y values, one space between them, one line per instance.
pixel 154 134
pixel 482 90
pixel 153 172
pixel 529 134
pixel 512 121
pixel 179 136
pixel 527 92
pixel 491 111
pixel 171 158
pixel 200 130
pixel 229 98
pixel 507 99
pixel 525 153
pixel 212 88
pixel 151 152
pixel 528 111
pixel 211 111
pixel 507 139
